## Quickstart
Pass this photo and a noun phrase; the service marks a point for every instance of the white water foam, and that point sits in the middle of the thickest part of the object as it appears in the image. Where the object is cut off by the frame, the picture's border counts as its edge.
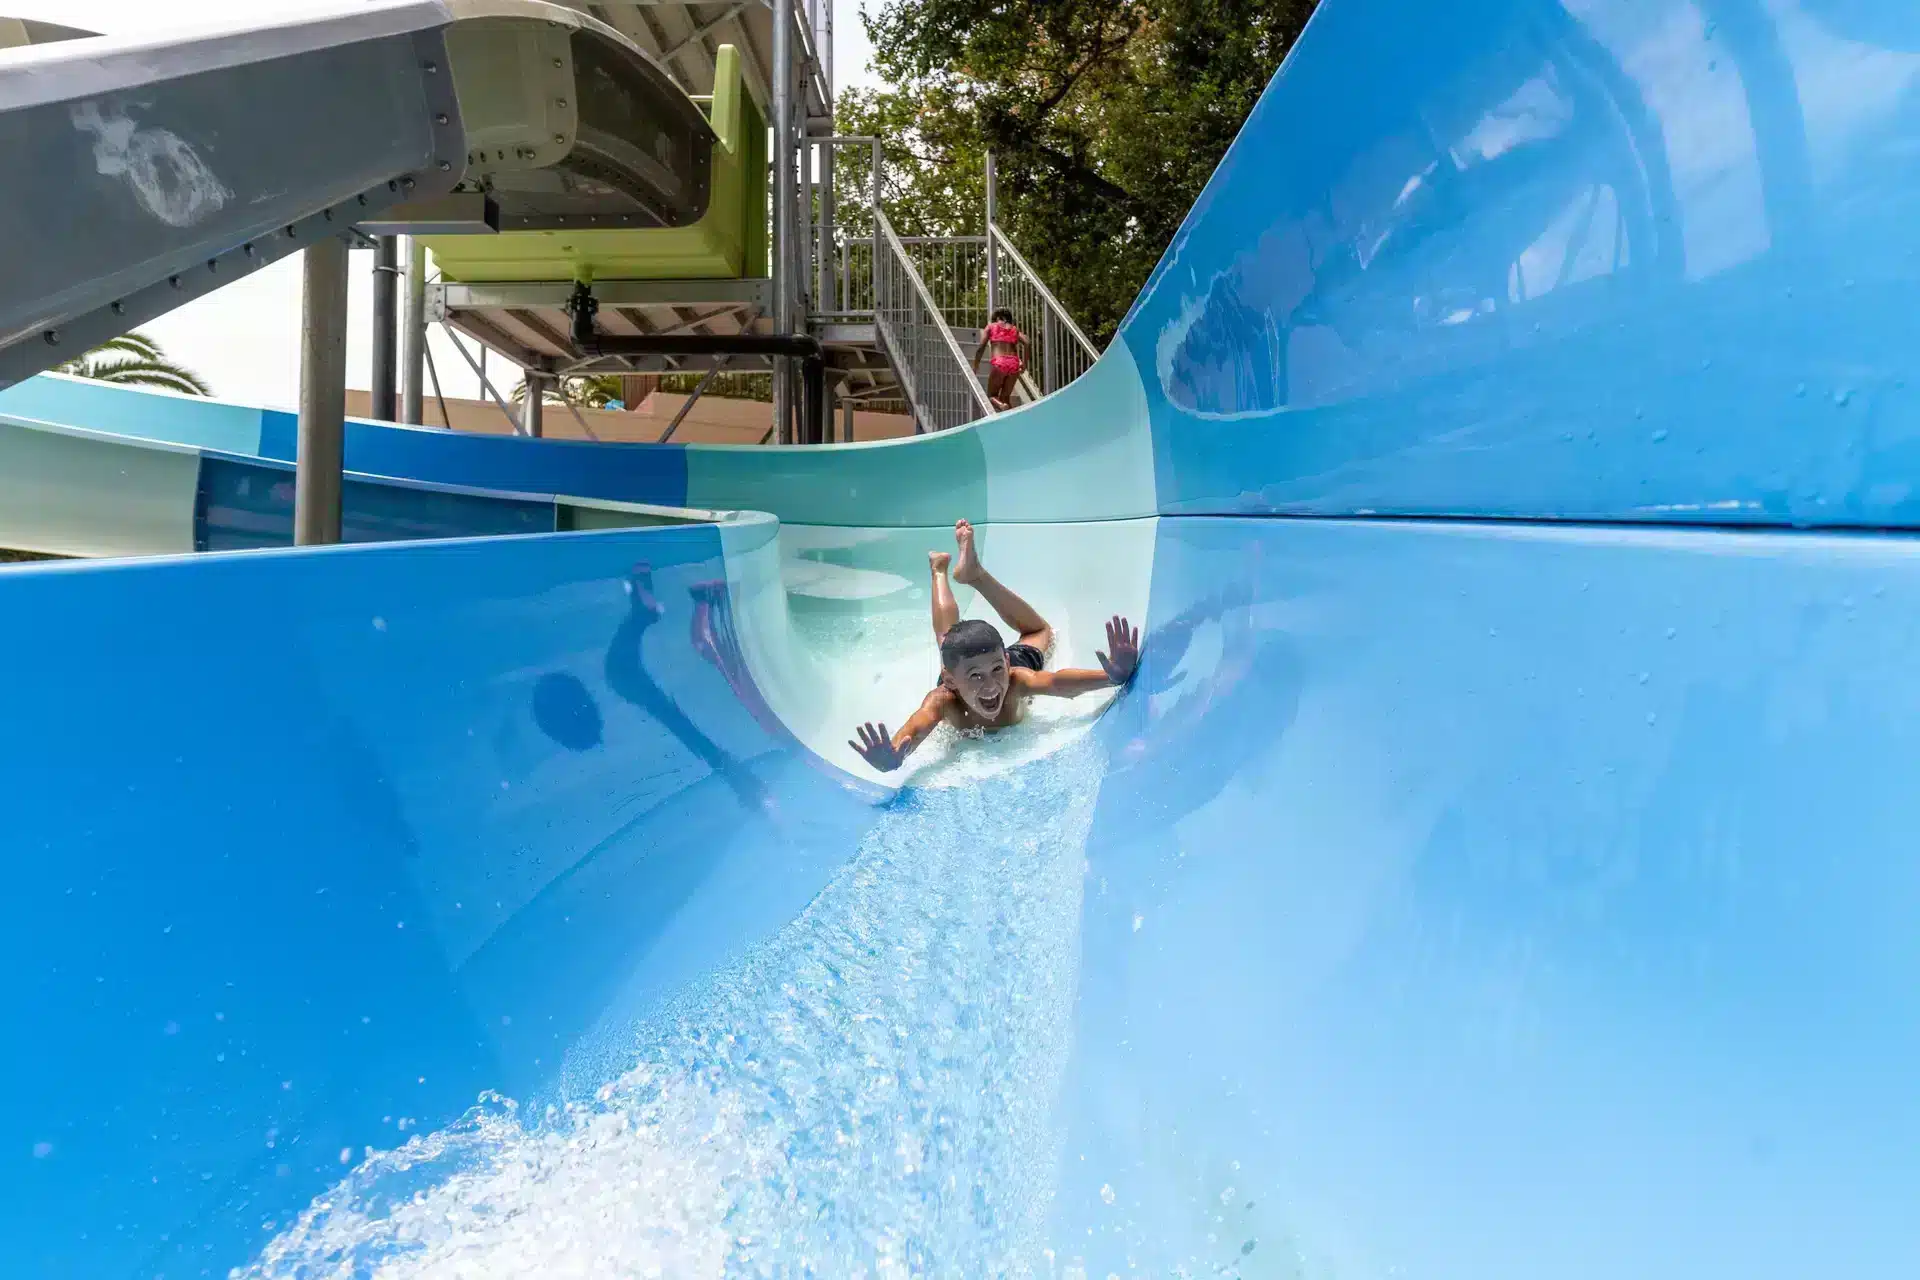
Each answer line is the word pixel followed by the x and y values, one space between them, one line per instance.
pixel 869 1094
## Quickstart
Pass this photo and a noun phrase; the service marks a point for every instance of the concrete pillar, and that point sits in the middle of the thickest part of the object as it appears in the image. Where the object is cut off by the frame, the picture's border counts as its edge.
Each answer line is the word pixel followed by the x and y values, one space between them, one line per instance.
pixel 323 394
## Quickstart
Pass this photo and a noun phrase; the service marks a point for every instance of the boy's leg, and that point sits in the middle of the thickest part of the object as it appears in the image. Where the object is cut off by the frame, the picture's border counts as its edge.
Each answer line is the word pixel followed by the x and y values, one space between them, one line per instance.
pixel 1013 611
pixel 945 611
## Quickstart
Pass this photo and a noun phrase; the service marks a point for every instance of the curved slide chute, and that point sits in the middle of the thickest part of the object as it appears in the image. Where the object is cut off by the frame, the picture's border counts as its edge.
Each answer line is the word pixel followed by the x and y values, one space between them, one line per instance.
pixel 1499 866
pixel 153 169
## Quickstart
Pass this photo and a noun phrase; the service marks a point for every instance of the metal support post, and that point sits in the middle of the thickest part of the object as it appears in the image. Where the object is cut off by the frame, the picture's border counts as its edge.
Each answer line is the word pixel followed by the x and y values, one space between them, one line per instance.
pixel 479 368
pixel 813 399
pixel 993 259
pixel 801 269
pixel 413 334
pixel 846 421
pixel 386 330
pixel 824 299
pixel 823 41
pixel 321 439
pixel 699 389
pixel 533 408
pixel 783 202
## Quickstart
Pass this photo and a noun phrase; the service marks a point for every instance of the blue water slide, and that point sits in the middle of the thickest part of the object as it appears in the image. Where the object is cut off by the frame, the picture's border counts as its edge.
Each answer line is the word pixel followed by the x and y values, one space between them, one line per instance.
pixel 1498 867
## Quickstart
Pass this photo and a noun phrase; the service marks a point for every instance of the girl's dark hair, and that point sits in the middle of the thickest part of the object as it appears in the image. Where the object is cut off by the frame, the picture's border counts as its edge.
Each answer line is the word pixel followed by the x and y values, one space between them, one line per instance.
pixel 969 638
pixel 1003 314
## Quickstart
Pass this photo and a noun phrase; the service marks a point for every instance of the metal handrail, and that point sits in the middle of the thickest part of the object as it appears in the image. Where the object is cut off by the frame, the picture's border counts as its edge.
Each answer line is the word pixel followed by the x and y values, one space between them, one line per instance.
pixel 911 379
pixel 996 235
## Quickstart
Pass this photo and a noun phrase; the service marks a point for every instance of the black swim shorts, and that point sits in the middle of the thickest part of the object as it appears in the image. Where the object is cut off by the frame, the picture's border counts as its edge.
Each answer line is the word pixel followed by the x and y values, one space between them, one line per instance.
pixel 1025 655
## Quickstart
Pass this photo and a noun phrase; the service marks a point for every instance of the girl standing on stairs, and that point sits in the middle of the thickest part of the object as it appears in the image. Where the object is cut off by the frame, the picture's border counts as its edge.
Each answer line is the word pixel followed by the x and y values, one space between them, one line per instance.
pixel 1010 348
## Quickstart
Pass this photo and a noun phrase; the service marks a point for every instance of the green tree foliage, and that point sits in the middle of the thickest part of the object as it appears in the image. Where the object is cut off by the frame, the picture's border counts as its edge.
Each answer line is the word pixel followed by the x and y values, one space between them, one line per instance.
pixel 598 390
pixel 135 360
pixel 1106 118
pixel 588 390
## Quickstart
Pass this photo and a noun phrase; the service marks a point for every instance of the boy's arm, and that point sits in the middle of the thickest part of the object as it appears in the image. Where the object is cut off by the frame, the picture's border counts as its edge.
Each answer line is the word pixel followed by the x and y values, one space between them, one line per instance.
pixel 1070 683
pixel 1117 664
pixel 888 753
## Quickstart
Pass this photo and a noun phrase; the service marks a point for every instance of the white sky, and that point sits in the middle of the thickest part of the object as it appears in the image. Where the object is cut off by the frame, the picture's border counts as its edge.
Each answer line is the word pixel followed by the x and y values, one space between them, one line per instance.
pixel 244 339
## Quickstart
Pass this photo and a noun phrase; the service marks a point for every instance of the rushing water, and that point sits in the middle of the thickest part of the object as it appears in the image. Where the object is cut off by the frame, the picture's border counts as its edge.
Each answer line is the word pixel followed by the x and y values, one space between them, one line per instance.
pixel 869 1093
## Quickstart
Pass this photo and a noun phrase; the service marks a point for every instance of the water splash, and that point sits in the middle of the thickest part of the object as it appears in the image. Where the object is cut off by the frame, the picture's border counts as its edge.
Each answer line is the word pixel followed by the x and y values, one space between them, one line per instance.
pixel 871 1093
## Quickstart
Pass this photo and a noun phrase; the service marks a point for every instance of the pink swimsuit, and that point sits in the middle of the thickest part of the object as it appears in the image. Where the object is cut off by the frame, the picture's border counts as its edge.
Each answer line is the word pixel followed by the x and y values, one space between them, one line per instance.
pixel 1001 333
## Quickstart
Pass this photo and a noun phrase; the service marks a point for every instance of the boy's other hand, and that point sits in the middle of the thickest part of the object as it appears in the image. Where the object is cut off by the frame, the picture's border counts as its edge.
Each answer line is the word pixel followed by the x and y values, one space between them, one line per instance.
pixel 1122 657
pixel 876 747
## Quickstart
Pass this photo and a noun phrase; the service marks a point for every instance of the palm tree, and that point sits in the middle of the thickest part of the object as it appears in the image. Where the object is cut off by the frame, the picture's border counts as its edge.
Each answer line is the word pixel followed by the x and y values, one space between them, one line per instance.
pixel 135 360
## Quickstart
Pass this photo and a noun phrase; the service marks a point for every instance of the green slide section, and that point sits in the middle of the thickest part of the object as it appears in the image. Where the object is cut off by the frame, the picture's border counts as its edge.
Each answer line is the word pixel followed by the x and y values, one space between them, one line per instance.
pixel 728 242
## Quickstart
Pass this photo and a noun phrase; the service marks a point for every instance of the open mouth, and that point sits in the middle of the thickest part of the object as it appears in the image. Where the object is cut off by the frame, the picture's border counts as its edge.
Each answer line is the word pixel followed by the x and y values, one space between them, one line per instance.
pixel 990 705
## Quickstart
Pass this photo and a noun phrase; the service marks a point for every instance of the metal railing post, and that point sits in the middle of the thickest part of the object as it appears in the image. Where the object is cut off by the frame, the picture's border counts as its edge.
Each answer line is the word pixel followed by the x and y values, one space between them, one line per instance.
pixel 824 291
pixel 993 261
pixel 876 223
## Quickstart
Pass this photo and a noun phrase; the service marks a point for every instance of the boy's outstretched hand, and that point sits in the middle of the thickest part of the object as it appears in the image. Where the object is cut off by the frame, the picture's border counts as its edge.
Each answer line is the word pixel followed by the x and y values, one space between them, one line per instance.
pixel 876 747
pixel 1122 657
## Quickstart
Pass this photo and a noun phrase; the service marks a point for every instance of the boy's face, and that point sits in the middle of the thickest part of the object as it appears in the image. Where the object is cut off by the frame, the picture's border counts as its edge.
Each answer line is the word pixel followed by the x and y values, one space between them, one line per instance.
pixel 981 683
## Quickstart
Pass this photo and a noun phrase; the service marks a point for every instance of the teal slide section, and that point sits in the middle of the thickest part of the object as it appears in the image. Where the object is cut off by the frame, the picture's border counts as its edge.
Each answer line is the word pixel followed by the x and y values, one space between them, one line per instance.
pixel 1499 866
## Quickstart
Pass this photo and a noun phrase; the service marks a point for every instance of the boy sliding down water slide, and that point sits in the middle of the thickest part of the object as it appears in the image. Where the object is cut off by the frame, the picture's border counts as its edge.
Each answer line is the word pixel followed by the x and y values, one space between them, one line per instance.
pixel 984 683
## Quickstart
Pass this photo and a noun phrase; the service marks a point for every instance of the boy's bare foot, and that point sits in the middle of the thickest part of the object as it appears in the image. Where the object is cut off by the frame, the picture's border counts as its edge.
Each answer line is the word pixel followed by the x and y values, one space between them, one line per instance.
pixel 966 566
pixel 938 561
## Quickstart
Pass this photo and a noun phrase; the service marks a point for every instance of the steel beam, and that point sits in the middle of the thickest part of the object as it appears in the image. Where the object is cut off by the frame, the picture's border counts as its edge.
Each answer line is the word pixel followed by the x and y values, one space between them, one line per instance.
pixel 752 292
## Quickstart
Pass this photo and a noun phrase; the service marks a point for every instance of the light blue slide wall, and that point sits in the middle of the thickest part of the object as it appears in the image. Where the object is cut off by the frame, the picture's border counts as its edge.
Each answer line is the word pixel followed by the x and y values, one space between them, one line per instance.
pixel 1474 901
pixel 1607 259
pixel 1084 455
pixel 303 844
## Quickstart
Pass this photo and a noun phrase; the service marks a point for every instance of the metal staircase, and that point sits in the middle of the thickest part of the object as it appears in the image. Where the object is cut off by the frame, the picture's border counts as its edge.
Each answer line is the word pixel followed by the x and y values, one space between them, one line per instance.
pixel 900 317
pixel 936 379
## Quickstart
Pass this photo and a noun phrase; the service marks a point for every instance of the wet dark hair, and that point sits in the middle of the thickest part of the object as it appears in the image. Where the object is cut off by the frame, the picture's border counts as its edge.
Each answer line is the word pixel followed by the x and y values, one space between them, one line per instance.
pixel 1003 314
pixel 970 638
